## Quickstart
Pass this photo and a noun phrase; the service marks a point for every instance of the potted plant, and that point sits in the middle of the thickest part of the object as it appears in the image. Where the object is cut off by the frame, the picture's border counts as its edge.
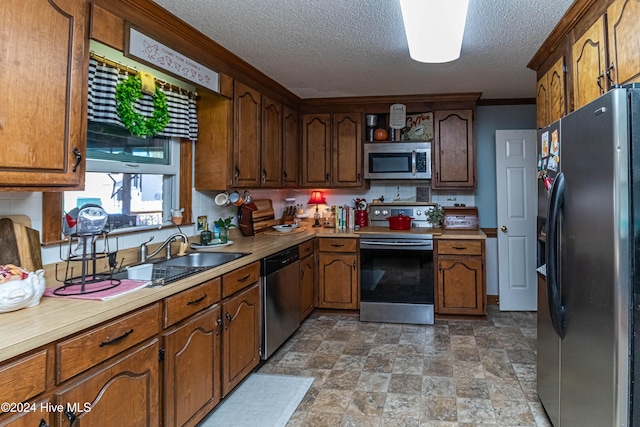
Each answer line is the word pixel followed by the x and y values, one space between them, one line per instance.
pixel 435 216
pixel 223 228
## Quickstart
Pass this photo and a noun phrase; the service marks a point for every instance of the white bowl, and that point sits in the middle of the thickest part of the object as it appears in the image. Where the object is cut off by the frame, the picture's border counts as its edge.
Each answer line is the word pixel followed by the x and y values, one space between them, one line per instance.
pixel 286 228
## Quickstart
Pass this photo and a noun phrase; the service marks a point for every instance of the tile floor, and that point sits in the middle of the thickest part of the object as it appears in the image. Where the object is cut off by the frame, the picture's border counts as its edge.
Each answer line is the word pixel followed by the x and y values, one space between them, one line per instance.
pixel 456 373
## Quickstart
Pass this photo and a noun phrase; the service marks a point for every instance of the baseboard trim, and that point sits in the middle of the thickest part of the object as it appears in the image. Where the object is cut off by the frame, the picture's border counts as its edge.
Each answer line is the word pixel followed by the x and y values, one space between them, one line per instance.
pixel 492 300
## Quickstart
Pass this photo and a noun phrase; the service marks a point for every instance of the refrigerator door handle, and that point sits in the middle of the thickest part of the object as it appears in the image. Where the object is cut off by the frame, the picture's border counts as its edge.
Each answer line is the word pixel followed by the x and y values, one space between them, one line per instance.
pixel 556 202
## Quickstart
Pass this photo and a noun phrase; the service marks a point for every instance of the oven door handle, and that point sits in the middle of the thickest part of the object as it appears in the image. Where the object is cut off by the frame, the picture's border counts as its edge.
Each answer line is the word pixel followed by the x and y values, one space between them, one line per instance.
pixel 396 243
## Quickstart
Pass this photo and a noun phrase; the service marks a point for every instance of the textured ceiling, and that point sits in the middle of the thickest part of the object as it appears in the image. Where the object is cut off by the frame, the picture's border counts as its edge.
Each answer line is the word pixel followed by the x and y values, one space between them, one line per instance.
pixel 337 48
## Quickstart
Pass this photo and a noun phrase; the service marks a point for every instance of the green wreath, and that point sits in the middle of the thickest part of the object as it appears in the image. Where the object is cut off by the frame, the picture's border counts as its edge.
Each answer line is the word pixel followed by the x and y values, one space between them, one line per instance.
pixel 127 93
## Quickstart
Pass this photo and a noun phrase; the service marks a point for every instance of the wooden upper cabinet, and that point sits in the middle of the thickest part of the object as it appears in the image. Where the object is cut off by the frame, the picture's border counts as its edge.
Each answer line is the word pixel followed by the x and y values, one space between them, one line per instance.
pixel 453 149
pixel 214 146
pixel 556 84
pixel 246 136
pixel 316 150
pixel 332 150
pixel 347 150
pixel 542 102
pixel 290 149
pixel 271 159
pixel 589 65
pixel 624 41
pixel 43 75
pixel 550 95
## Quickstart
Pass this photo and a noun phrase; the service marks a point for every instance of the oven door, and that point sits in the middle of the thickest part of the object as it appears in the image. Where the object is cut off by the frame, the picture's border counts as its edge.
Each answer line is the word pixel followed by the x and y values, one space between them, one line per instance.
pixel 396 281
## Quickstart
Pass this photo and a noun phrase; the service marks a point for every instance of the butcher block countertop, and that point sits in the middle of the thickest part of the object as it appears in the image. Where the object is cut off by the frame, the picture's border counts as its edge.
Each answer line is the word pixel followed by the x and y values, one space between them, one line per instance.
pixel 57 318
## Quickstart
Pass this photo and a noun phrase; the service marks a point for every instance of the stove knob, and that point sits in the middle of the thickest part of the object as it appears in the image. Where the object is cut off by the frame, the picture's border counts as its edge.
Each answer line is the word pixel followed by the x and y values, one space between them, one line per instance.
pixel 376 212
pixel 385 212
pixel 418 212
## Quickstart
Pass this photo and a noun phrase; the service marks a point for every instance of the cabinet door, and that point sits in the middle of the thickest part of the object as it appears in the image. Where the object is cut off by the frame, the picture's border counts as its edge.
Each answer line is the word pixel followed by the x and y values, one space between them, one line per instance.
pixel 542 102
pixel 460 285
pixel 307 282
pixel 453 149
pixel 192 369
pixel 123 393
pixel 271 173
pixel 43 75
pixel 246 136
pixel 338 281
pixel 623 45
pixel 36 414
pixel 241 337
pixel 347 150
pixel 556 100
pixel 588 56
pixel 316 150
pixel 290 149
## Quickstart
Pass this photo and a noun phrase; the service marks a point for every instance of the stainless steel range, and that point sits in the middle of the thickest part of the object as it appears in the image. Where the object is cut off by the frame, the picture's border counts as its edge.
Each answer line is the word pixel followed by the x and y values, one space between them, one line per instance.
pixel 396 276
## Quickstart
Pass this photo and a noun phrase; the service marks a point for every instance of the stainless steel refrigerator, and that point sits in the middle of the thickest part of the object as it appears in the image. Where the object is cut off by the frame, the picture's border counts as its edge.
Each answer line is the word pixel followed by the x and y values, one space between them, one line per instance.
pixel 589 240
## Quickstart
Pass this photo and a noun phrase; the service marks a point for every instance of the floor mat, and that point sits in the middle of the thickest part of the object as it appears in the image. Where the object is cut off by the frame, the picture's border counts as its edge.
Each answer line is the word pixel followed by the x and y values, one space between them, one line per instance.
pixel 263 400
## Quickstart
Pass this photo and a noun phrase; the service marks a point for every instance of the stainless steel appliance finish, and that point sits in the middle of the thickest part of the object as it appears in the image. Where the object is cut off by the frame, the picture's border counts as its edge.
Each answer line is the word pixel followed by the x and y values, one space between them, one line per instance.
pixel 398 160
pixel 280 299
pixel 587 339
pixel 396 276
pixel 378 213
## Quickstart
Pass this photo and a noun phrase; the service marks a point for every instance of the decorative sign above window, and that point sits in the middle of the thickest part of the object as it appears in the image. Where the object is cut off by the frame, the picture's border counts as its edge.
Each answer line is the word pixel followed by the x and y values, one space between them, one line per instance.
pixel 148 50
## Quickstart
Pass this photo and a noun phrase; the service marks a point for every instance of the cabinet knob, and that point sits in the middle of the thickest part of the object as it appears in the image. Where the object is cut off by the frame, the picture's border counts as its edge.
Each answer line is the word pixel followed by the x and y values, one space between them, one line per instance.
pixel 264 175
pixel 354 265
pixel 326 177
pixel 503 228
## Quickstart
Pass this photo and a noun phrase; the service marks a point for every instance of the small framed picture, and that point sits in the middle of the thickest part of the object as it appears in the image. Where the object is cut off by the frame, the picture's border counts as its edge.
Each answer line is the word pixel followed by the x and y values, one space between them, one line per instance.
pixel 202 223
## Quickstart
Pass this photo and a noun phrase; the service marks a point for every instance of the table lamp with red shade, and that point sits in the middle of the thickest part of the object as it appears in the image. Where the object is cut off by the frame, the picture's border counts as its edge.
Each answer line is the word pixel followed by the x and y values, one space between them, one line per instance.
pixel 317 198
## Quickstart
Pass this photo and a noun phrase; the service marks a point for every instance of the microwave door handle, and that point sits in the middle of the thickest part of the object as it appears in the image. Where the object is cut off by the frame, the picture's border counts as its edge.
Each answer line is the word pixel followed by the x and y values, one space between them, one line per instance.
pixel 413 162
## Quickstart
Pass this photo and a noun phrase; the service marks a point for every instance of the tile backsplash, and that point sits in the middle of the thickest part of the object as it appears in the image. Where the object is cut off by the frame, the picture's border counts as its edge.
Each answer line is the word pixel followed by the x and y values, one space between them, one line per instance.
pixel 30 203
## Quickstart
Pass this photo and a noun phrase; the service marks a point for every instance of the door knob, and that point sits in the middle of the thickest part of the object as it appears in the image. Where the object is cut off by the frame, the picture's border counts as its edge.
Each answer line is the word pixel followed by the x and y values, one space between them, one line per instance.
pixel 503 229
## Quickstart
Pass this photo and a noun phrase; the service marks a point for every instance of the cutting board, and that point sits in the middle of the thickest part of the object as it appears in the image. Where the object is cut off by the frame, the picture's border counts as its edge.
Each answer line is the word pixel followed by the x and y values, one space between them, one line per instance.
pixel 19 245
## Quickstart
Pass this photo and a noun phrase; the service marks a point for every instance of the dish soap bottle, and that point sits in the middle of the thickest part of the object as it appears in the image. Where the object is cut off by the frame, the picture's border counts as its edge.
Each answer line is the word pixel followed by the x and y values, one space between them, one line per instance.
pixel 205 235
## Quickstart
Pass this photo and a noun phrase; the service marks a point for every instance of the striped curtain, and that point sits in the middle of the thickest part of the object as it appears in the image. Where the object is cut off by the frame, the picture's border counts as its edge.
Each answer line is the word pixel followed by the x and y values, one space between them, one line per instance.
pixel 103 80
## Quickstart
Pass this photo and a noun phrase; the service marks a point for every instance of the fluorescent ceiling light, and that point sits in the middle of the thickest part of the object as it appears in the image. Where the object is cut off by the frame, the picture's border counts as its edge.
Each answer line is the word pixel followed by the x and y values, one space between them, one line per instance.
pixel 434 28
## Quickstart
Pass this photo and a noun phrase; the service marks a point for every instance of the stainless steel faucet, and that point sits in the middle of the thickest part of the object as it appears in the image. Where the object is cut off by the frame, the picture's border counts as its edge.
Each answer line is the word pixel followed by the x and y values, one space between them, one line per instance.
pixel 143 250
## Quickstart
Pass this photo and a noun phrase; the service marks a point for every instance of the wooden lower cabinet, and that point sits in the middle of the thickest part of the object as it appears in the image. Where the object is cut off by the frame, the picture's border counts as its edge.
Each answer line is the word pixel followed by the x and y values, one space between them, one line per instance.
pixel 36 414
pixel 338 273
pixel 240 336
pixel 460 277
pixel 192 368
pixel 307 285
pixel 123 392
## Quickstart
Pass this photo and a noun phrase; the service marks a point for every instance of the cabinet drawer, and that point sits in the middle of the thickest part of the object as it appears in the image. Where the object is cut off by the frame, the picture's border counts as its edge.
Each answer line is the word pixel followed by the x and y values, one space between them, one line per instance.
pixel 338 245
pixel 240 278
pixel 305 249
pixel 97 345
pixel 24 378
pixel 459 247
pixel 184 304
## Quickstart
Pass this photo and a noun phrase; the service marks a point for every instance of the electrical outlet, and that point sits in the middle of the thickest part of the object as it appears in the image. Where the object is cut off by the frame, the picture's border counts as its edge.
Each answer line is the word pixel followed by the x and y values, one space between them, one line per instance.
pixel 451 197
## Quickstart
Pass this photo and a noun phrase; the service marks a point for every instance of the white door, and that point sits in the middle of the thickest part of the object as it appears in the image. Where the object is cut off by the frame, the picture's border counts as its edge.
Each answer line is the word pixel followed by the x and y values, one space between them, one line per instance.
pixel 516 204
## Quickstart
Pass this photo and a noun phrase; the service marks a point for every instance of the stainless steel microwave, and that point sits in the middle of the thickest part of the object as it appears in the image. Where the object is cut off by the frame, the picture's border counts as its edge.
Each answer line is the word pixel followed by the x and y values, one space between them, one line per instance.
pixel 397 160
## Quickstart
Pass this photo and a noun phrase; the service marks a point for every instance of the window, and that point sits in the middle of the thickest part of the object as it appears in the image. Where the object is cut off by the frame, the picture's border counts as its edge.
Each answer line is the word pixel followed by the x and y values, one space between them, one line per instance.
pixel 134 179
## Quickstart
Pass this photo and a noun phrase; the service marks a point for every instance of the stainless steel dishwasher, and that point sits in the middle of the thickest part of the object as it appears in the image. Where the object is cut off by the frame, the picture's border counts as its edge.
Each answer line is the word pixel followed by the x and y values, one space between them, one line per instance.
pixel 280 299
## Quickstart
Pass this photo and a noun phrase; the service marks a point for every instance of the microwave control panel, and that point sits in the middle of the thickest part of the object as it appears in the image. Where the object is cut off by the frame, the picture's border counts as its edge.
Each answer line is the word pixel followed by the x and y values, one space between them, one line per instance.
pixel 421 162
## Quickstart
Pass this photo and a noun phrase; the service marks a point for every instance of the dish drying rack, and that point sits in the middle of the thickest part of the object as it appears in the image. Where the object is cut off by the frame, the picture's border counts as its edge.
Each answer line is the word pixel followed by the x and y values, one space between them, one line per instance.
pixel 87 255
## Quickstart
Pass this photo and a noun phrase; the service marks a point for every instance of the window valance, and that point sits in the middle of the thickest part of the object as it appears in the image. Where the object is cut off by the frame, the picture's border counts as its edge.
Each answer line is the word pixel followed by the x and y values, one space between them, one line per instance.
pixel 105 75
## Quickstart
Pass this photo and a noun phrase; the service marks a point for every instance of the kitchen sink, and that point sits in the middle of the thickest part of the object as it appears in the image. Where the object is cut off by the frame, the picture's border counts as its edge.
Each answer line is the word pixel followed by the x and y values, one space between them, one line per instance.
pixel 171 270
pixel 203 259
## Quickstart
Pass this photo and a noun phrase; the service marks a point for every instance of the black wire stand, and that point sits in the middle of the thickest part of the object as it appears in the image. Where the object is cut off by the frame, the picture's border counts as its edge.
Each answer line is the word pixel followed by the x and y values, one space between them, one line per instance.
pixel 88 259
